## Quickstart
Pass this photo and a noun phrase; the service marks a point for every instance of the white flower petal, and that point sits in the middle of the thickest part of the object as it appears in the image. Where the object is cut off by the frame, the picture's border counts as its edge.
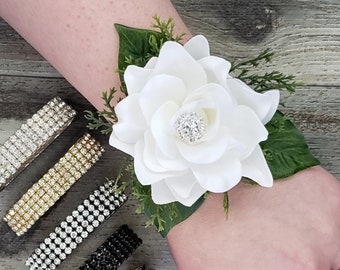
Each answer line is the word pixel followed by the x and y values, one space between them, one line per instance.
pixel 161 194
pixel 220 176
pixel 198 47
pixel 128 148
pixel 255 167
pixel 159 90
pixel 206 152
pixel 135 78
pixel 216 68
pixel 143 173
pixel 161 129
pixel 247 129
pixel 183 189
pixel 274 95
pixel 174 163
pixel 219 98
pixel 149 156
pixel 131 124
pixel 264 105
pixel 156 161
pixel 174 60
pixel 151 63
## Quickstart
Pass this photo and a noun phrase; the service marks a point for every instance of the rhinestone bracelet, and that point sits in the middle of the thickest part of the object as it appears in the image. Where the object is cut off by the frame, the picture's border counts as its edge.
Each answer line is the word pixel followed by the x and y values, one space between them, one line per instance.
pixel 32 138
pixel 47 191
pixel 114 251
pixel 102 203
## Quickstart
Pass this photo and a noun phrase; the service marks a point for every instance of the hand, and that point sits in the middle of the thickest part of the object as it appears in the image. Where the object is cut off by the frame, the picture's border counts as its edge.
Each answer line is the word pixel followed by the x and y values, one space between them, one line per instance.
pixel 294 225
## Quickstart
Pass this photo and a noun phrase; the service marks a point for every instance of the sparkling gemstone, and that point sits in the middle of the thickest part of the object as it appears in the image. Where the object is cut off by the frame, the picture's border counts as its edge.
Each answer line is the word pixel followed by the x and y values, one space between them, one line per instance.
pixel 90 218
pixel 63 235
pixel 62 256
pixel 69 219
pixel 84 234
pixel 56 261
pixel 73 234
pixel 190 127
pixel 62 245
pixel 73 245
pixel 68 240
pixel 90 228
pixel 78 240
pixel 85 213
pixel 68 229
pixel 57 241
pixel 95 223
pixel 80 218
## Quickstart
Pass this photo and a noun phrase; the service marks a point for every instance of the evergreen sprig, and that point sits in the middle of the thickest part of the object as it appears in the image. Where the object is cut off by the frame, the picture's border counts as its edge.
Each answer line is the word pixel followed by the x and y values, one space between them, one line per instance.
pixel 103 120
pixel 166 33
pixel 244 71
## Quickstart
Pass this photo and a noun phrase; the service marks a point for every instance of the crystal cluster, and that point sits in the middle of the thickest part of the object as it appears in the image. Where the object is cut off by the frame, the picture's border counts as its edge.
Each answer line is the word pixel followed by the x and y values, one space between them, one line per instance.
pixel 76 227
pixel 32 138
pixel 190 127
pixel 44 194
pixel 114 251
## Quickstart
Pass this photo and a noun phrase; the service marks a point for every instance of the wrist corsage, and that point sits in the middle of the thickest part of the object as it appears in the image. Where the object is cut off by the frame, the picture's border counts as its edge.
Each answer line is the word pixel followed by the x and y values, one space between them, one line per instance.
pixel 191 127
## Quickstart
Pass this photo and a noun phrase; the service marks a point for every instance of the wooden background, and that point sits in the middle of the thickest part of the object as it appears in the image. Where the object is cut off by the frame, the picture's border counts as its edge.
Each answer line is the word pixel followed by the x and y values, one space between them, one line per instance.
pixel 305 35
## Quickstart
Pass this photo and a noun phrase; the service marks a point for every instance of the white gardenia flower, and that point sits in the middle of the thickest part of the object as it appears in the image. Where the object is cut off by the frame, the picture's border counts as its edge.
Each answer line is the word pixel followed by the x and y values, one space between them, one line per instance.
pixel 190 127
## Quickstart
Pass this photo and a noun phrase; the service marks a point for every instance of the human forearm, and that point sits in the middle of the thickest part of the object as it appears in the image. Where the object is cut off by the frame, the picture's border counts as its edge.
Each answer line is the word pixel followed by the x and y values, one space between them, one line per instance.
pixel 78 37
pixel 289 226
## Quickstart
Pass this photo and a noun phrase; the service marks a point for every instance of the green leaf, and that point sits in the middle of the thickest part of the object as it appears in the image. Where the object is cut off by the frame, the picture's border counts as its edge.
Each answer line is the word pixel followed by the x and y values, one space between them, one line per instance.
pixel 286 150
pixel 164 216
pixel 134 46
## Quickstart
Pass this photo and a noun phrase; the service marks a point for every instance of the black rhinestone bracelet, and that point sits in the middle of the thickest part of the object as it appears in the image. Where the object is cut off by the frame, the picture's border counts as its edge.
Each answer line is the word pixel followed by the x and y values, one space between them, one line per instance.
pixel 102 203
pixel 114 251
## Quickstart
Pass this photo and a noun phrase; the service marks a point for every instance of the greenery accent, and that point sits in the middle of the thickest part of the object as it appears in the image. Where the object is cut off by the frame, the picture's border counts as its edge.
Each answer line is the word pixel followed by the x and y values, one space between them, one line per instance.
pixel 164 216
pixel 138 46
pixel 263 82
pixel 103 119
pixel 285 150
pixel 226 204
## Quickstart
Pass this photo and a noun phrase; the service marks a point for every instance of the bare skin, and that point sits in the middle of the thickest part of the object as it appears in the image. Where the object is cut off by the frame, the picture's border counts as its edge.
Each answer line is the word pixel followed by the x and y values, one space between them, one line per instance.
pixel 294 225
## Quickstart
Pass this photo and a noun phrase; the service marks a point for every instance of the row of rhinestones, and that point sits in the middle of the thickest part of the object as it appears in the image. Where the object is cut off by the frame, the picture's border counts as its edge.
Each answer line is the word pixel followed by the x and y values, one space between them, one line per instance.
pixel 32 137
pixel 114 251
pixel 43 194
pixel 76 227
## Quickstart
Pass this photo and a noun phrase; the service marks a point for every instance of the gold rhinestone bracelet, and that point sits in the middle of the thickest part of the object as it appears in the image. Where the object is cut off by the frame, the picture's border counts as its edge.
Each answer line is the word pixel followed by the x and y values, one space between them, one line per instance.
pixel 54 183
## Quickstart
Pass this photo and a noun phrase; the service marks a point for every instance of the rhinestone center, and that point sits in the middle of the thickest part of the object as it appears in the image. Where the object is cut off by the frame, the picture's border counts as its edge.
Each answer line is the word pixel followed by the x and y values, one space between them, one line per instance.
pixel 190 127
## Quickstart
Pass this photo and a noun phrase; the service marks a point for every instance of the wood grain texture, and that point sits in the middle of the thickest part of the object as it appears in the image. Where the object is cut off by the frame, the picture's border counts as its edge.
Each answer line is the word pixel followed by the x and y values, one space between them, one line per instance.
pixel 305 35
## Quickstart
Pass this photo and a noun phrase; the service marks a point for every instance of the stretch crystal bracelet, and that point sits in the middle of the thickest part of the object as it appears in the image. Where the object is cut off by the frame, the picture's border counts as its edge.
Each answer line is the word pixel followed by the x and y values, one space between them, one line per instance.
pixel 32 138
pixel 114 251
pixel 77 226
pixel 47 191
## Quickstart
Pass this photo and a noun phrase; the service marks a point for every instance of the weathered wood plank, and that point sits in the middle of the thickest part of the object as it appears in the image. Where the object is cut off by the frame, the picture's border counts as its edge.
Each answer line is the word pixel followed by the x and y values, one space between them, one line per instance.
pixel 305 35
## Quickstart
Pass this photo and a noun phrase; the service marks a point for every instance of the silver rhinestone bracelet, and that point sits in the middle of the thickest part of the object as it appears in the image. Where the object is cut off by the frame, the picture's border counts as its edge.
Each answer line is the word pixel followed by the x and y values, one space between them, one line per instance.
pixel 76 227
pixel 21 148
